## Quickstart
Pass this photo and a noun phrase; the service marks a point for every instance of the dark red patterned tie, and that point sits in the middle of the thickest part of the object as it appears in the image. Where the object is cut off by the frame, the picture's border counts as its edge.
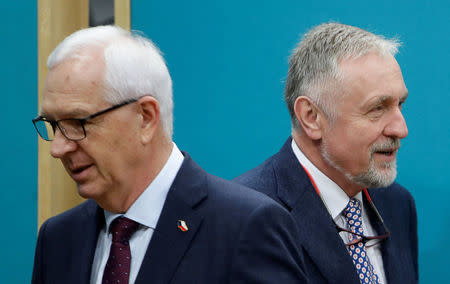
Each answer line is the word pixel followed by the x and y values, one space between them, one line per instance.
pixel 117 269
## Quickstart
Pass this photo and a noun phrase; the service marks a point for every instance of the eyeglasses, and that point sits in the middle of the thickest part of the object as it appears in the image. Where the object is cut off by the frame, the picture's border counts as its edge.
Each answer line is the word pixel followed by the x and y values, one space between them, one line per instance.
pixel 72 128
pixel 357 238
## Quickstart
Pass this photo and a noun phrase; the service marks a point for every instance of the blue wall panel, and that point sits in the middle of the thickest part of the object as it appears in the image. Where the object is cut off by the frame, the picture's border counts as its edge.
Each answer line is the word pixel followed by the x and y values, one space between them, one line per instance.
pixel 228 60
pixel 18 163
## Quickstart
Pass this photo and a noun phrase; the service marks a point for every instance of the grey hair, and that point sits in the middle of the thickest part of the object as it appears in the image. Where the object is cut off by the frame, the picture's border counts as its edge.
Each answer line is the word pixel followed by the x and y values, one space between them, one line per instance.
pixel 313 66
pixel 134 66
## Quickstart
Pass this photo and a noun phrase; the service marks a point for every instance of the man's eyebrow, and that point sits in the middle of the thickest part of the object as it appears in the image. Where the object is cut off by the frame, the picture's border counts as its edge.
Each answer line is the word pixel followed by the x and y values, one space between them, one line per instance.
pixel 74 113
pixel 380 100
pixel 385 98
pixel 43 113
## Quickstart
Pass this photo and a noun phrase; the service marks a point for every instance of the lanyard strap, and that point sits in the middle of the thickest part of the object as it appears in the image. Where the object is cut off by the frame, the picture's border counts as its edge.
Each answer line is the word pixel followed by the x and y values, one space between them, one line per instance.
pixel 366 193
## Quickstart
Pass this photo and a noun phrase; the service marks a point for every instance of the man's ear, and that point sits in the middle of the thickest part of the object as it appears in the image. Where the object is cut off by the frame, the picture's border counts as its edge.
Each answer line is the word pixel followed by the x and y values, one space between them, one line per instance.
pixel 309 116
pixel 149 111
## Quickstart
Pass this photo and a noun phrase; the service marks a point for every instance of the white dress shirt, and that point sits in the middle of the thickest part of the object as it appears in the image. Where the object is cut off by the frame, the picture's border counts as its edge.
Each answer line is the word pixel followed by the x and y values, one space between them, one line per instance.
pixel 146 211
pixel 336 200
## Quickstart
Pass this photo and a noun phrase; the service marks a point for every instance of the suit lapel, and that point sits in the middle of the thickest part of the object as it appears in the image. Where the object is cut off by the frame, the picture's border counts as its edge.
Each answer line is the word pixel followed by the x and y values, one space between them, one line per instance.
pixel 388 249
pixel 84 247
pixel 319 235
pixel 169 243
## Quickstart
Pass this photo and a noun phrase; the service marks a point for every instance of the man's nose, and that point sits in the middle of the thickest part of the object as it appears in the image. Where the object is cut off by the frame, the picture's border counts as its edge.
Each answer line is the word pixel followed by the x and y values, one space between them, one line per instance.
pixel 396 126
pixel 61 145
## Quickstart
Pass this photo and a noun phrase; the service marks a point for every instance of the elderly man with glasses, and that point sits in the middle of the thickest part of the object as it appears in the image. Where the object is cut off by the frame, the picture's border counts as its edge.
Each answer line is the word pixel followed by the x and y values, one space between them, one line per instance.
pixel 152 215
pixel 345 92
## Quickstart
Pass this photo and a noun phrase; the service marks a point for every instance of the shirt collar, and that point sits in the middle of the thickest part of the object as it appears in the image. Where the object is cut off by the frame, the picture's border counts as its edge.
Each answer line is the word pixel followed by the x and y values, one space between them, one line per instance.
pixel 154 195
pixel 333 196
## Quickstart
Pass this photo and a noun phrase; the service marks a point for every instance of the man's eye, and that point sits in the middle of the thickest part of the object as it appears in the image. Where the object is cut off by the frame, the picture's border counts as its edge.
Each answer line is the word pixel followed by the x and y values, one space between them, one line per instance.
pixel 376 112
pixel 378 108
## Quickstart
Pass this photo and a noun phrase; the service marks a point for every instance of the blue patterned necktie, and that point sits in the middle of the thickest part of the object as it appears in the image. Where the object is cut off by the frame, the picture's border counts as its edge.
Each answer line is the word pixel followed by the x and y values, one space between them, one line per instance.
pixel 358 252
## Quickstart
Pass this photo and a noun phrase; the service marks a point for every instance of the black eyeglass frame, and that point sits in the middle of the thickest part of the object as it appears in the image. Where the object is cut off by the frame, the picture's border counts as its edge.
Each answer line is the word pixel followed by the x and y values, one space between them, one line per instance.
pixel 82 121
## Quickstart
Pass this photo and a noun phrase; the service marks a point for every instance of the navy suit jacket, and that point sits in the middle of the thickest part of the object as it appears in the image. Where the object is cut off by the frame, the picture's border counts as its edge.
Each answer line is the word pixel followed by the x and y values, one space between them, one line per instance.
pixel 282 178
pixel 235 235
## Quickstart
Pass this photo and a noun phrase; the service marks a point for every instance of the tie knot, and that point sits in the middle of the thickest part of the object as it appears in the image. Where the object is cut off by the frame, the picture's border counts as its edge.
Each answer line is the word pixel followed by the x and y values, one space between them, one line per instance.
pixel 122 229
pixel 353 207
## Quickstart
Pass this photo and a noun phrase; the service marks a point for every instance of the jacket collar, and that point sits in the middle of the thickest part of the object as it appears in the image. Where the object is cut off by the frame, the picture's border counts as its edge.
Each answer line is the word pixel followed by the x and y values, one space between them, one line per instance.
pixel 168 243
pixel 320 237
pixel 88 228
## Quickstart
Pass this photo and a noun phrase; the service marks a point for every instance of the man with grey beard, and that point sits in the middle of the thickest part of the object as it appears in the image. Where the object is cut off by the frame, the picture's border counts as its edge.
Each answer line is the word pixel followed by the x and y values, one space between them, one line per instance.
pixel 344 92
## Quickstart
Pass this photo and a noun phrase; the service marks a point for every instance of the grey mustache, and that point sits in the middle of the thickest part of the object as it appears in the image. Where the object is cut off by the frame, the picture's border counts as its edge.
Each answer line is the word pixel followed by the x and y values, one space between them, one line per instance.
pixel 392 143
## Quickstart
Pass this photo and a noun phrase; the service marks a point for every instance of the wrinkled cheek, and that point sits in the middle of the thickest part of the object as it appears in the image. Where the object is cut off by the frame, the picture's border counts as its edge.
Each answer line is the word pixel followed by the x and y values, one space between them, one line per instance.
pixel 342 153
pixel 352 159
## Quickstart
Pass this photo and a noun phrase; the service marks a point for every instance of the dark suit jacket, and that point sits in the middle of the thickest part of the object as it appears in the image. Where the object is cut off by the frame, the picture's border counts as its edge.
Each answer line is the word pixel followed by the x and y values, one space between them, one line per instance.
pixel 282 178
pixel 236 235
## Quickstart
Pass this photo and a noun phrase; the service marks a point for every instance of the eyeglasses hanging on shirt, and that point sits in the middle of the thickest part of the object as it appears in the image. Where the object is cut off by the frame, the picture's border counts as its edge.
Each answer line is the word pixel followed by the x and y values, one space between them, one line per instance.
pixel 367 240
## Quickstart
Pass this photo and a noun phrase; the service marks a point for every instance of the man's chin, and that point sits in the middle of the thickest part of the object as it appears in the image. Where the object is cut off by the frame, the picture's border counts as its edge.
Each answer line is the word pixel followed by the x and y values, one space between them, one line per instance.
pixel 376 178
pixel 87 191
pixel 379 174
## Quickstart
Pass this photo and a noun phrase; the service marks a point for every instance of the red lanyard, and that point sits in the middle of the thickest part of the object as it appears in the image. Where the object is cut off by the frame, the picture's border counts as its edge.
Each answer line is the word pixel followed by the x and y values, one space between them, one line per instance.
pixel 386 230
pixel 366 193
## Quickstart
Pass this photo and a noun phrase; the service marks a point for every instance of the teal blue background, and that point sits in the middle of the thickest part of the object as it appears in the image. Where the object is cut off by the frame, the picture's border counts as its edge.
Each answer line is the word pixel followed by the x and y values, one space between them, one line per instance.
pixel 18 163
pixel 228 61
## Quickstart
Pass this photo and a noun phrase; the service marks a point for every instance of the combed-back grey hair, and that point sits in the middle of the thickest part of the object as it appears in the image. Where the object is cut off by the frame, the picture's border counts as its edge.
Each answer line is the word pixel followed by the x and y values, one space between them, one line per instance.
pixel 313 66
pixel 134 66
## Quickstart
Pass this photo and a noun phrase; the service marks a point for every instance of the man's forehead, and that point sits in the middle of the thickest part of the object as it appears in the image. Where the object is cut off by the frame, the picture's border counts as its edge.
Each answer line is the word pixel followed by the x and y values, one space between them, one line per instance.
pixel 370 69
pixel 58 106
pixel 80 69
pixel 73 87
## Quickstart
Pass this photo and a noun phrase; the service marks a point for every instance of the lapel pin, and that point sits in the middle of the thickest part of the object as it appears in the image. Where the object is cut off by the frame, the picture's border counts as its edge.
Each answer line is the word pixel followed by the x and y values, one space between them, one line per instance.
pixel 182 225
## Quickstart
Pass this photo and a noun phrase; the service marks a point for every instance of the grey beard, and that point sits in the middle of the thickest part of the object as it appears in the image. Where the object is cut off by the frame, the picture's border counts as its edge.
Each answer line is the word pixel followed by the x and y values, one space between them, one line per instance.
pixel 373 177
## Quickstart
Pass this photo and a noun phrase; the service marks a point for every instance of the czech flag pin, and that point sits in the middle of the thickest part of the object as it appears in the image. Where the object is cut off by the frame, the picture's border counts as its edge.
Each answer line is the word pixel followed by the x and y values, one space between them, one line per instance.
pixel 182 225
